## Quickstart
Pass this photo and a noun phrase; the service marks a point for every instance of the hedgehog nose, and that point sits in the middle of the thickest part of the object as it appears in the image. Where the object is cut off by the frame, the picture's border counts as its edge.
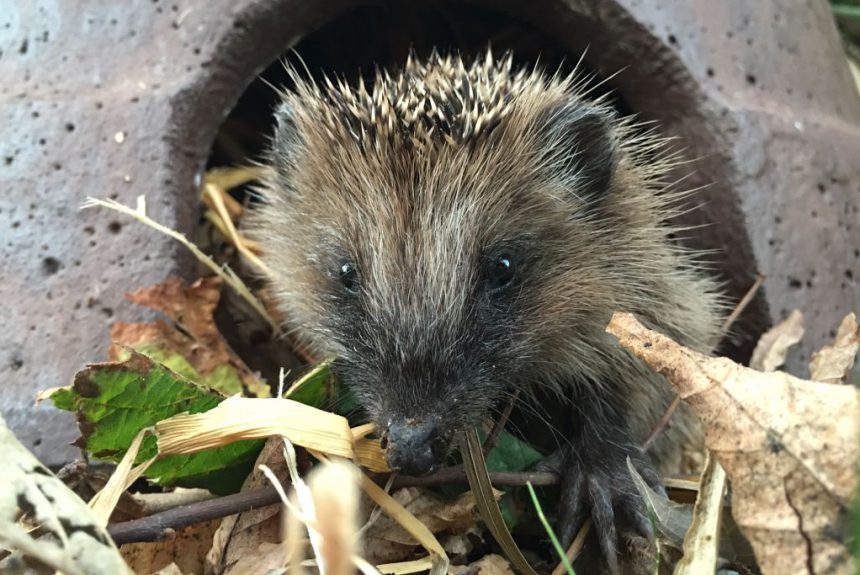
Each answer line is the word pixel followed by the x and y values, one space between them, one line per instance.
pixel 415 447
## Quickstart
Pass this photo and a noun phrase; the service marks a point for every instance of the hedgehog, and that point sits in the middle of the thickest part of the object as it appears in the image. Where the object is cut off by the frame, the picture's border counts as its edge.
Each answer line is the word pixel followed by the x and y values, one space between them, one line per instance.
pixel 459 232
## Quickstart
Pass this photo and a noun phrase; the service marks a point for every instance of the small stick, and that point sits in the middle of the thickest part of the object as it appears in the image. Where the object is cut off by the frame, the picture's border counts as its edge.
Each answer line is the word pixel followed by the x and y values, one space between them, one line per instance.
pixel 160 525
pixel 575 548
pixel 224 272
pixel 662 424
pixel 456 474
pixel 491 440
pixel 740 307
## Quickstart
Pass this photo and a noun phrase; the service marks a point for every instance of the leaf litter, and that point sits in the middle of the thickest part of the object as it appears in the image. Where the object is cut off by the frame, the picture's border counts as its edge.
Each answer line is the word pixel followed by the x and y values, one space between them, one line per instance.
pixel 193 346
pixel 789 447
pixel 172 391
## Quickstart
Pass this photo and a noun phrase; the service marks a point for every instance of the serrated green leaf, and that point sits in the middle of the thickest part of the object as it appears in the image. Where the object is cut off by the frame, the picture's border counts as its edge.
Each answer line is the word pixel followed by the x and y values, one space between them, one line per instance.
pixel 115 400
pixel 224 378
pixel 160 353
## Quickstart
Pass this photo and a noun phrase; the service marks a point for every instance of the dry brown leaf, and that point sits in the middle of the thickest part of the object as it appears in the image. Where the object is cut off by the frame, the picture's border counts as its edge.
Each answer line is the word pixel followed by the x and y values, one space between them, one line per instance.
pixel 386 541
pixel 833 362
pixel 438 557
pixel 789 447
pixel 773 346
pixel 135 335
pixel 266 558
pixel 242 535
pixel 458 546
pixel 486 565
pixel 198 340
pixel 186 550
pixel 191 307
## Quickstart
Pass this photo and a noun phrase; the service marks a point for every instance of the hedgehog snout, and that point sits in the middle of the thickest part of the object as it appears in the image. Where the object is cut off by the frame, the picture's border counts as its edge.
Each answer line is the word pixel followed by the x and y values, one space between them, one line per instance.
pixel 415 447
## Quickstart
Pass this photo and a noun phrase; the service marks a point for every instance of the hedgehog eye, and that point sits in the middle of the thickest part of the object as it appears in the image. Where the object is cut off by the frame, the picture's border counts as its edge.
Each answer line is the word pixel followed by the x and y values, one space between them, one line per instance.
pixel 349 277
pixel 500 272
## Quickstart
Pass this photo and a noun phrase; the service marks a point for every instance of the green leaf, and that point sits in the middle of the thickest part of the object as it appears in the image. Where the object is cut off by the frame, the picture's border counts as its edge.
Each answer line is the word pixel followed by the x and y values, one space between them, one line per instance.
pixel 115 400
pixel 160 353
pixel 224 378
pixel 313 387
pixel 512 454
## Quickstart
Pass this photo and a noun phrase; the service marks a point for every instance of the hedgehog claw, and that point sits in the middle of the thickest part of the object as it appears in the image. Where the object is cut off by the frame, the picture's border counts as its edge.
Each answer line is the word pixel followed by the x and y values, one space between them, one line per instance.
pixel 599 486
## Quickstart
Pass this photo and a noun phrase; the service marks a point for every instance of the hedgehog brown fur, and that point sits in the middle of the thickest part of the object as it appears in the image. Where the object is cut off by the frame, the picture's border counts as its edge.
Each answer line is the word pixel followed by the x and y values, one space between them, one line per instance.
pixel 458 231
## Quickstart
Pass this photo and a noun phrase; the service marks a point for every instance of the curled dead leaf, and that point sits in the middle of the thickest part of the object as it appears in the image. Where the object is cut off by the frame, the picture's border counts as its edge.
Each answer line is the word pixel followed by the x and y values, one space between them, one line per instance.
pixel 773 346
pixel 833 362
pixel 788 445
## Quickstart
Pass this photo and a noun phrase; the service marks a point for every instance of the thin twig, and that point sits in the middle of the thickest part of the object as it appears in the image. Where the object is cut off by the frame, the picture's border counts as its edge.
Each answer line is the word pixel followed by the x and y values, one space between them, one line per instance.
pixel 491 440
pixel 575 548
pixel 740 307
pixel 456 474
pixel 160 525
pixel 225 273
pixel 664 421
pixel 662 424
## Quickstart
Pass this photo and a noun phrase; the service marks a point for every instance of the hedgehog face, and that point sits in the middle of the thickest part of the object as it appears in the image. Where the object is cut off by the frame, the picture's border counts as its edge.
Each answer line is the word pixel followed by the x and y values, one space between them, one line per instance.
pixel 421 233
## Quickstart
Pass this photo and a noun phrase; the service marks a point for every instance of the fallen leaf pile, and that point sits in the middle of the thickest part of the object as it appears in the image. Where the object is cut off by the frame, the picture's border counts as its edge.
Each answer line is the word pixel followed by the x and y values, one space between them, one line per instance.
pixel 789 447
pixel 176 407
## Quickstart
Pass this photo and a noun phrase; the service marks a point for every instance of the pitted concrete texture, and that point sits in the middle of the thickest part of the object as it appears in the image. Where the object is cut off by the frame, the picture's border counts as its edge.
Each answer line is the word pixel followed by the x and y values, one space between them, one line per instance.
pixel 117 100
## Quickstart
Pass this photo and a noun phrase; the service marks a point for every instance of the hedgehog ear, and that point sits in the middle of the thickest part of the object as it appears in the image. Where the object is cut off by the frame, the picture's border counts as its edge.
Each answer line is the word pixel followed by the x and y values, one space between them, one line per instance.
pixel 581 145
pixel 286 144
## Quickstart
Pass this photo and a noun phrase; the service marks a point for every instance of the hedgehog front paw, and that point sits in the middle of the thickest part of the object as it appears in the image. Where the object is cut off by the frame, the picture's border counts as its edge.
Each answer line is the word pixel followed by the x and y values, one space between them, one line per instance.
pixel 596 483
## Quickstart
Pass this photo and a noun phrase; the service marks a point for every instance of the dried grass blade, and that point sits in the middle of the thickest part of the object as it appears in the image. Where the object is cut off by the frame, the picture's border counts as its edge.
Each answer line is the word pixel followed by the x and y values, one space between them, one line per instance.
pixel 406 567
pixel 217 199
pixel 410 523
pixel 225 273
pixel 104 502
pixel 229 178
pixel 369 454
pixel 479 482
pixel 238 418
